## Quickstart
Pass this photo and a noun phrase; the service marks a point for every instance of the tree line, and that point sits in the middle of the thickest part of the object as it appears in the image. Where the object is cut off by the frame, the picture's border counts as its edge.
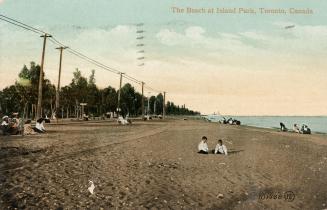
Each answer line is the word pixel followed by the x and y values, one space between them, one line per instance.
pixel 22 97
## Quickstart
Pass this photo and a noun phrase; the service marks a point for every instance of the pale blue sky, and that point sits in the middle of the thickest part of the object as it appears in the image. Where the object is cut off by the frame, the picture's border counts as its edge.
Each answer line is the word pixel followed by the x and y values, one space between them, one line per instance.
pixel 112 12
pixel 210 62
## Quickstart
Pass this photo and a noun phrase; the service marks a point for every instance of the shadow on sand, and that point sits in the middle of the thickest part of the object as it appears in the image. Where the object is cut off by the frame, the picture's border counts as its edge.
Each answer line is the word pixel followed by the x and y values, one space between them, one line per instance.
pixel 233 152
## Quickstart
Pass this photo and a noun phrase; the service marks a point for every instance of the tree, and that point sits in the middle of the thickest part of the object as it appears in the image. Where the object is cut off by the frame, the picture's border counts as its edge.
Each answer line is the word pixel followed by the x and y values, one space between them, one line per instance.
pixel 22 96
pixel 159 105
pixel 11 100
pixel 79 87
pixel 152 100
pixel 128 100
pixel 92 78
pixel 110 98
pixel 94 96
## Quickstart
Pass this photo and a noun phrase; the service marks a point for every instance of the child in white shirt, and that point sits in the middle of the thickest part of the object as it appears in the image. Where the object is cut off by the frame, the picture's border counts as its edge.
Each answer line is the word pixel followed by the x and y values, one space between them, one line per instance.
pixel 220 148
pixel 203 146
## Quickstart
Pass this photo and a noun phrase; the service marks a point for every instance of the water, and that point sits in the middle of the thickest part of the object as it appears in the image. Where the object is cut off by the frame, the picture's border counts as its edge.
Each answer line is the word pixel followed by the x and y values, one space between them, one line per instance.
pixel 316 124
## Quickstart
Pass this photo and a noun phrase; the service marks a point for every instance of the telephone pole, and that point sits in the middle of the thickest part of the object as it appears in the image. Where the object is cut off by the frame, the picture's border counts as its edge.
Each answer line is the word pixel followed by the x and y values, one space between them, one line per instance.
pixel 164 106
pixel 142 100
pixel 39 98
pixel 120 83
pixel 59 76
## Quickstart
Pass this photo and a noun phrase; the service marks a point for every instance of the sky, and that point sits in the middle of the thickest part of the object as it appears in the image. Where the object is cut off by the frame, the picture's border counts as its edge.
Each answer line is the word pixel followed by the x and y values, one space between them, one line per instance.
pixel 234 64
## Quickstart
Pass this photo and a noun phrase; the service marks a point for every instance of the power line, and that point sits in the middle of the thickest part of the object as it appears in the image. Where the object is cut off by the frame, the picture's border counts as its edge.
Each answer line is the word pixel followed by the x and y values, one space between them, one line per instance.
pixel 152 89
pixel 23 24
pixel 86 58
pixel 26 28
pixel 59 43
pixel 132 79
pixel 72 51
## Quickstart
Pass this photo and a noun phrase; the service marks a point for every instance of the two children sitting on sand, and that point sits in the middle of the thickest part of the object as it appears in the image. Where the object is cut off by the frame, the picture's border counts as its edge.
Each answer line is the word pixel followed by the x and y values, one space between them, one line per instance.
pixel 203 147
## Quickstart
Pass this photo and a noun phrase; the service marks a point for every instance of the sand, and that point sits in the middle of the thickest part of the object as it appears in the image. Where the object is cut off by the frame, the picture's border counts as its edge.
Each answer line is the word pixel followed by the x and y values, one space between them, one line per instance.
pixel 155 165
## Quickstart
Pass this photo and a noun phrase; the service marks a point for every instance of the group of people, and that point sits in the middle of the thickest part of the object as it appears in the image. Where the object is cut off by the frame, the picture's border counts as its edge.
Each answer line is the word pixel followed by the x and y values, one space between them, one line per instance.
pixel 39 127
pixel 204 149
pixel 15 126
pixel 230 121
pixel 303 130
pixel 10 125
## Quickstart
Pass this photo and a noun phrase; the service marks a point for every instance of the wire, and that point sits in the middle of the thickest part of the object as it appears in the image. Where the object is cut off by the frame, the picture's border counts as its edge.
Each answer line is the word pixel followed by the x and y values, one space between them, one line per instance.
pixel 86 58
pixel 59 43
pixel 132 79
pixel 23 24
pixel 96 62
pixel 72 51
pixel 26 28
pixel 152 89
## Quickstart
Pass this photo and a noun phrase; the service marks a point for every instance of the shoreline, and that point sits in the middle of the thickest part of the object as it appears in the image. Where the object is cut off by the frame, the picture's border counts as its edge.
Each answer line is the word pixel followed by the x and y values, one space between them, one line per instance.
pixel 268 127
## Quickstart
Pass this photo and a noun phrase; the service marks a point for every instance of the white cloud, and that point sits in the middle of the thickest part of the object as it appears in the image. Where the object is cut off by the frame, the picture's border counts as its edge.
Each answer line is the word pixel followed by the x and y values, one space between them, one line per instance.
pixel 195 32
pixel 169 37
pixel 300 40
pixel 254 35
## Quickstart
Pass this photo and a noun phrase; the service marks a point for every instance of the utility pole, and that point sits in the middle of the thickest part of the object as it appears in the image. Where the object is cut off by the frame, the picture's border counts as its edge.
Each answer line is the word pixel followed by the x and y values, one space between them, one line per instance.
pixel 39 97
pixel 164 106
pixel 119 91
pixel 59 76
pixel 142 100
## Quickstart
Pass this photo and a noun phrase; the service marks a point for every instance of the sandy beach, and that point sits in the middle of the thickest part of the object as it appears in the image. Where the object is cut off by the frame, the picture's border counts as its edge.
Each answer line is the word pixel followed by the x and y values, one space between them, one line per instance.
pixel 155 165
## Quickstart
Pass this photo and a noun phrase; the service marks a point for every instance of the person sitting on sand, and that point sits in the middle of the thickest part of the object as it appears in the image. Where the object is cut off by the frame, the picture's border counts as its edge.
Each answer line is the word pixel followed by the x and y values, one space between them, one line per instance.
pixel 5 125
pixel 28 130
pixel 85 117
pixel 282 127
pixel 122 121
pixel 15 125
pixel 305 129
pixel 296 128
pixel 203 146
pixel 39 126
pixel 220 148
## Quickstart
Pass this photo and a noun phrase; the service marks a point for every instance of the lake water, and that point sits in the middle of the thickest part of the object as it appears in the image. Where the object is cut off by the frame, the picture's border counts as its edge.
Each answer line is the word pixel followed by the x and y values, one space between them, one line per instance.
pixel 316 124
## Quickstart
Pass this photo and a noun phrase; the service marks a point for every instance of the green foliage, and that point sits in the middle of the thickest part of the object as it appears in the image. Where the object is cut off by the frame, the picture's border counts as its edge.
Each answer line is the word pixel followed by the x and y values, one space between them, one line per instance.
pixel 109 98
pixel 92 78
pixel 23 94
pixel 177 110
